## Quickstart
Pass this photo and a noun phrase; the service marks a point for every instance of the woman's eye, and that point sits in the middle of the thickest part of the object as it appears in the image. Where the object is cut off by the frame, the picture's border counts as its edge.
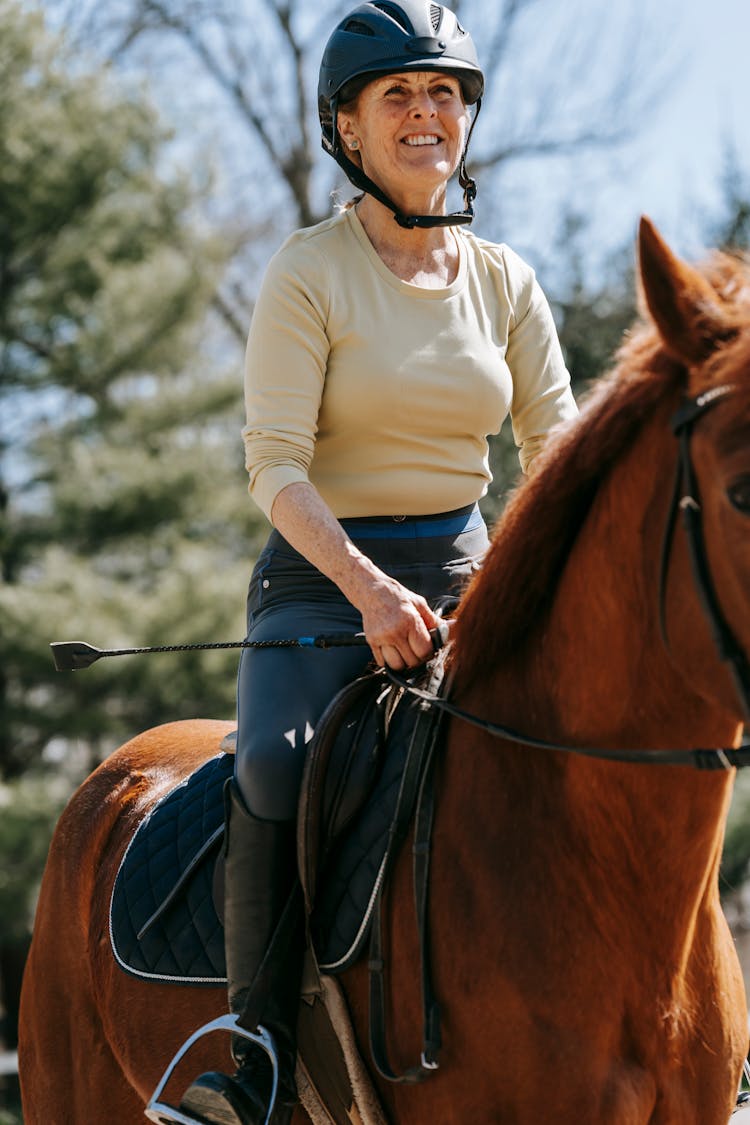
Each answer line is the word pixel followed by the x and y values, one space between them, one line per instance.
pixel 739 495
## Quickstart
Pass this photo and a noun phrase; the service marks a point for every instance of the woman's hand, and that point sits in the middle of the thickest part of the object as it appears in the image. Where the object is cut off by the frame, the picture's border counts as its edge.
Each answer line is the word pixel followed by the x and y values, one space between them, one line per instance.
pixel 397 624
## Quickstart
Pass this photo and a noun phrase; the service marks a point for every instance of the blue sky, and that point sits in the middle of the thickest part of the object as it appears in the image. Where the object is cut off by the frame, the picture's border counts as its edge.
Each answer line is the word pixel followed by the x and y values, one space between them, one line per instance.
pixel 673 171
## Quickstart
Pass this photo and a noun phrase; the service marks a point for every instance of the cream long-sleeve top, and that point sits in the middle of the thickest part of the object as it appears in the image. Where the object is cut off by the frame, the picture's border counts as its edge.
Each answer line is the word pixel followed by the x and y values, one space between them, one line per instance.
pixel 381 393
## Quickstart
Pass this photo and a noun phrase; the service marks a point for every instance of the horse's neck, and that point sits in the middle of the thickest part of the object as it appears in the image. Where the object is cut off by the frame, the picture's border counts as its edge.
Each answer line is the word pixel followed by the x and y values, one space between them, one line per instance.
pixel 604 662
pixel 599 674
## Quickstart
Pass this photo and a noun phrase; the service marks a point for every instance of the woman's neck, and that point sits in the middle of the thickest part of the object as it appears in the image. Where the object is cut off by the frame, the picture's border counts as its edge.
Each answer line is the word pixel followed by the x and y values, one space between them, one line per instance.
pixel 428 257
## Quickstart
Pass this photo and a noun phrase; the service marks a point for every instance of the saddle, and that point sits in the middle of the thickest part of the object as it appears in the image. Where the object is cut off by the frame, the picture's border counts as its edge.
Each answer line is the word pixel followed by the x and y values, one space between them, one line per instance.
pixel 365 779
pixel 165 910
pixel 348 798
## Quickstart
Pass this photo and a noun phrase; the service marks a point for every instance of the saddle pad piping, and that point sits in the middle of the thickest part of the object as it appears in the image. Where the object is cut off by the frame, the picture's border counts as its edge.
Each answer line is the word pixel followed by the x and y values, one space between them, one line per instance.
pixel 343 962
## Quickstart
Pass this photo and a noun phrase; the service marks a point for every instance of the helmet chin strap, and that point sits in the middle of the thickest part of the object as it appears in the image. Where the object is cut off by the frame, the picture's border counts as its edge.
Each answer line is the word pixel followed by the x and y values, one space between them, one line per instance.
pixel 409 222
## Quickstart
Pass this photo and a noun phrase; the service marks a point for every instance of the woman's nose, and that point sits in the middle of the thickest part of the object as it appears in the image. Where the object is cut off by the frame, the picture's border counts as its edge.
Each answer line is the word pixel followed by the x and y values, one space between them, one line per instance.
pixel 423 106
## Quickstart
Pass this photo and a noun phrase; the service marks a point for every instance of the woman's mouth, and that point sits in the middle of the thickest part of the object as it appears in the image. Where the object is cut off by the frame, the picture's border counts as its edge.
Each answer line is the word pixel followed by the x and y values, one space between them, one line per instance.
pixel 417 139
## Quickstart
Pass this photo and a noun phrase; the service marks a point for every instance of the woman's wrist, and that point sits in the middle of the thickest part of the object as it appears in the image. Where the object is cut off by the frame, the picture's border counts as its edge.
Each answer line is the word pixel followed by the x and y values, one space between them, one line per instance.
pixel 358 577
pixel 306 521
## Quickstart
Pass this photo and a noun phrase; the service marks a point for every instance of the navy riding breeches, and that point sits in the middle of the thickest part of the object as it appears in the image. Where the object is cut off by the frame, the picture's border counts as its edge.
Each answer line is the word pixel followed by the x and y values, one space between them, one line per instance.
pixel 282 692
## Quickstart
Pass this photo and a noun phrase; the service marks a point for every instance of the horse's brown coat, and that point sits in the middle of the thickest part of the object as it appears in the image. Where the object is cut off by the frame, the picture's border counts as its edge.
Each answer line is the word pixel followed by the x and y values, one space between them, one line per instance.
pixel 585 969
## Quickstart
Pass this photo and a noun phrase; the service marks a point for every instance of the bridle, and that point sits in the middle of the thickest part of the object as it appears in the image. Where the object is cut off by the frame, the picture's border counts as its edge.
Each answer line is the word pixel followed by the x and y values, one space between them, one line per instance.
pixel 685 499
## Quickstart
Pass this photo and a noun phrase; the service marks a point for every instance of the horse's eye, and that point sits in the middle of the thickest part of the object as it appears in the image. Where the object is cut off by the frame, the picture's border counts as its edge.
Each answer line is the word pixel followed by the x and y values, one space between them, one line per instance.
pixel 739 495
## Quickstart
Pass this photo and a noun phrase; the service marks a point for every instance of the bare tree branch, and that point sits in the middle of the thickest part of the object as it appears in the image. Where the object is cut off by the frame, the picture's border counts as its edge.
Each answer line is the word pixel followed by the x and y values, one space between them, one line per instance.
pixel 499 44
pixel 550 146
pixel 236 324
pixel 297 167
pixel 230 83
pixel 555 86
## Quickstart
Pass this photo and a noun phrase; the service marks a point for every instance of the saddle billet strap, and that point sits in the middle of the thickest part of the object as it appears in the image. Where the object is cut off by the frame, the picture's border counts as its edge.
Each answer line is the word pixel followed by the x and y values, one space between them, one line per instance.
pixel 413 793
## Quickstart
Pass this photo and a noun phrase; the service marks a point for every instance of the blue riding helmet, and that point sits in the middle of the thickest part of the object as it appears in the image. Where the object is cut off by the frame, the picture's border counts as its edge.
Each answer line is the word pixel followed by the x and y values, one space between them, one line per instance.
pixel 384 37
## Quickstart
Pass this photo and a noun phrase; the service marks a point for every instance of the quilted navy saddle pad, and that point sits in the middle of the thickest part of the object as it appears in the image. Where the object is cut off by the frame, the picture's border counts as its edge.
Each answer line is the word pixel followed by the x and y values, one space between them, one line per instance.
pixel 163 920
pixel 163 923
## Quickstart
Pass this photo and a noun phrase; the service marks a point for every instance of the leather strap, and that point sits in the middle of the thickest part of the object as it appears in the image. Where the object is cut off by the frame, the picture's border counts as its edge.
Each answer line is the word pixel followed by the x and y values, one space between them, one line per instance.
pixel 726 643
pixel 701 759
pixel 415 792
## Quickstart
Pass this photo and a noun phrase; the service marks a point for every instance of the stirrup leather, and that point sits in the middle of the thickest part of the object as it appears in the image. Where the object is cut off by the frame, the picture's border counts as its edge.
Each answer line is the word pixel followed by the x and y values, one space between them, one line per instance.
pixel 163 1113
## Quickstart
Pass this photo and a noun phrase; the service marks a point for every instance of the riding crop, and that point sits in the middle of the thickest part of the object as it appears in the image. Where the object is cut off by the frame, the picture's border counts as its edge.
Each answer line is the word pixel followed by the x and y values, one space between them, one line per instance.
pixel 70 656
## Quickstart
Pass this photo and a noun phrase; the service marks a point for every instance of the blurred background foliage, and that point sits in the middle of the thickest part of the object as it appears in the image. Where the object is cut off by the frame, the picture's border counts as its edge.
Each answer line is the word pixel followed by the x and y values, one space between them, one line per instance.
pixel 134 228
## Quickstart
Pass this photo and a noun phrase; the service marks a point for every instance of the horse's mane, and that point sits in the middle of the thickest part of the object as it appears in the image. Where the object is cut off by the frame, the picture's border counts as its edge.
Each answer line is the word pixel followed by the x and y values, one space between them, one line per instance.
pixel 532 541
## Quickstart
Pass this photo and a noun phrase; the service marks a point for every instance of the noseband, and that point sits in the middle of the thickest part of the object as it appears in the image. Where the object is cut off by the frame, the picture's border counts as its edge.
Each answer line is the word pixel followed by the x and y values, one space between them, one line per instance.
pixel 686 499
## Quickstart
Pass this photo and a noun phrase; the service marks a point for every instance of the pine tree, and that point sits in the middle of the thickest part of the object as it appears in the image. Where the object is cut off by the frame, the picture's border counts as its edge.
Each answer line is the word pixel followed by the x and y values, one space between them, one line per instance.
pixel 123 511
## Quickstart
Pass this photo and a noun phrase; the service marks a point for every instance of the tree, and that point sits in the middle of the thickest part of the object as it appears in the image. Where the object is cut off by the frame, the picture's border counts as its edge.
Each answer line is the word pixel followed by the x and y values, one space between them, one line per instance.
pixel 731 231
pixel 123 507
pixel 123 512
pixel 557 90
pixel 255 75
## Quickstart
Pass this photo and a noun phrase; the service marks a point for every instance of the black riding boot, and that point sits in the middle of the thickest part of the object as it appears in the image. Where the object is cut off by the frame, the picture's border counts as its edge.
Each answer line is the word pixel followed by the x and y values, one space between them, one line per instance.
pixel 260 876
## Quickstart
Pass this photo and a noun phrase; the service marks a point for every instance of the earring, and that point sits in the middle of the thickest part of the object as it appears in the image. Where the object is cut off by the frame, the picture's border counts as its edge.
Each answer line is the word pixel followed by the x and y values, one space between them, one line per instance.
pixel 354 144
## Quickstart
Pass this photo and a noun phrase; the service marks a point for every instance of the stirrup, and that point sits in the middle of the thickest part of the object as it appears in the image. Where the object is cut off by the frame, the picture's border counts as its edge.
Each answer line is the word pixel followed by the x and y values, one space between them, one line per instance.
pixel 743 1097
pixel 165 1114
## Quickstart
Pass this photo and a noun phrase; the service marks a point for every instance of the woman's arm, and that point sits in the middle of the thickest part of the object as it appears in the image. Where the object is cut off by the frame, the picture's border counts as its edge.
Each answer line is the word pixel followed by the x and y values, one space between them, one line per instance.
pixel 396 621
pixel 542 397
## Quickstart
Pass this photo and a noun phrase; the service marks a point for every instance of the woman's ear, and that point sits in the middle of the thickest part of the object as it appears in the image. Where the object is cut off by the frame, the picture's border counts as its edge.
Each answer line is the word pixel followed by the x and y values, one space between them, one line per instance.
pixel 347 132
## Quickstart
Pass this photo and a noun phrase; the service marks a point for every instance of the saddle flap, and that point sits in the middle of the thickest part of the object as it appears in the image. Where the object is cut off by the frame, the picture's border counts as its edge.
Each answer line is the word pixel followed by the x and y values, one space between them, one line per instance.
pixel 342 765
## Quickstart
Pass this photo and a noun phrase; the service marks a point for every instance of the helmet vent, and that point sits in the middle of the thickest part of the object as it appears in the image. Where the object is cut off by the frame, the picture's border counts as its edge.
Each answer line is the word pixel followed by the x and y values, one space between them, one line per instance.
pixel 358 27
pixel 435 14
pixel 395 13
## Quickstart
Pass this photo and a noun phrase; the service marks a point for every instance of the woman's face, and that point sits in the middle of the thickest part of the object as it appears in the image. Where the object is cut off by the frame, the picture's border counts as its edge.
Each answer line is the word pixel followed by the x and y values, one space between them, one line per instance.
pixel 409 130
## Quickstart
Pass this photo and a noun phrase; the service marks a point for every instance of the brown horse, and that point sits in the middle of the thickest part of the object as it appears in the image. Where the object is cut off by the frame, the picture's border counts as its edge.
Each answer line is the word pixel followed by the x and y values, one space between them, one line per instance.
pixel 584 967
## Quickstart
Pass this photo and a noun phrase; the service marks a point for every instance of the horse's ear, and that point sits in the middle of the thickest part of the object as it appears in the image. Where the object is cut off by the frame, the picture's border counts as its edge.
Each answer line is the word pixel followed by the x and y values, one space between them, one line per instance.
pixel 682 303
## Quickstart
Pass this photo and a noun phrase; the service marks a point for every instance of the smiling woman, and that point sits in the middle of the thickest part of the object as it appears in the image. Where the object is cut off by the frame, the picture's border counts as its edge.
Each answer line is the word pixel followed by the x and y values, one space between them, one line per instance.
pixel 408 131
pixel 381 40
pixel 381 355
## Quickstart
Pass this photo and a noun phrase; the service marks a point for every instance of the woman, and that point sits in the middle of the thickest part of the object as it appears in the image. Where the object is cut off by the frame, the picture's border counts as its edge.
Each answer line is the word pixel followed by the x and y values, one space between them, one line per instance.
pixel 380 356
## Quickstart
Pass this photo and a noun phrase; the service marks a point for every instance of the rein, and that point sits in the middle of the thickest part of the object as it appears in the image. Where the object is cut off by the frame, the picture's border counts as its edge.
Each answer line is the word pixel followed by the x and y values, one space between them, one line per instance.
pixel 685 498
pixel 702 759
